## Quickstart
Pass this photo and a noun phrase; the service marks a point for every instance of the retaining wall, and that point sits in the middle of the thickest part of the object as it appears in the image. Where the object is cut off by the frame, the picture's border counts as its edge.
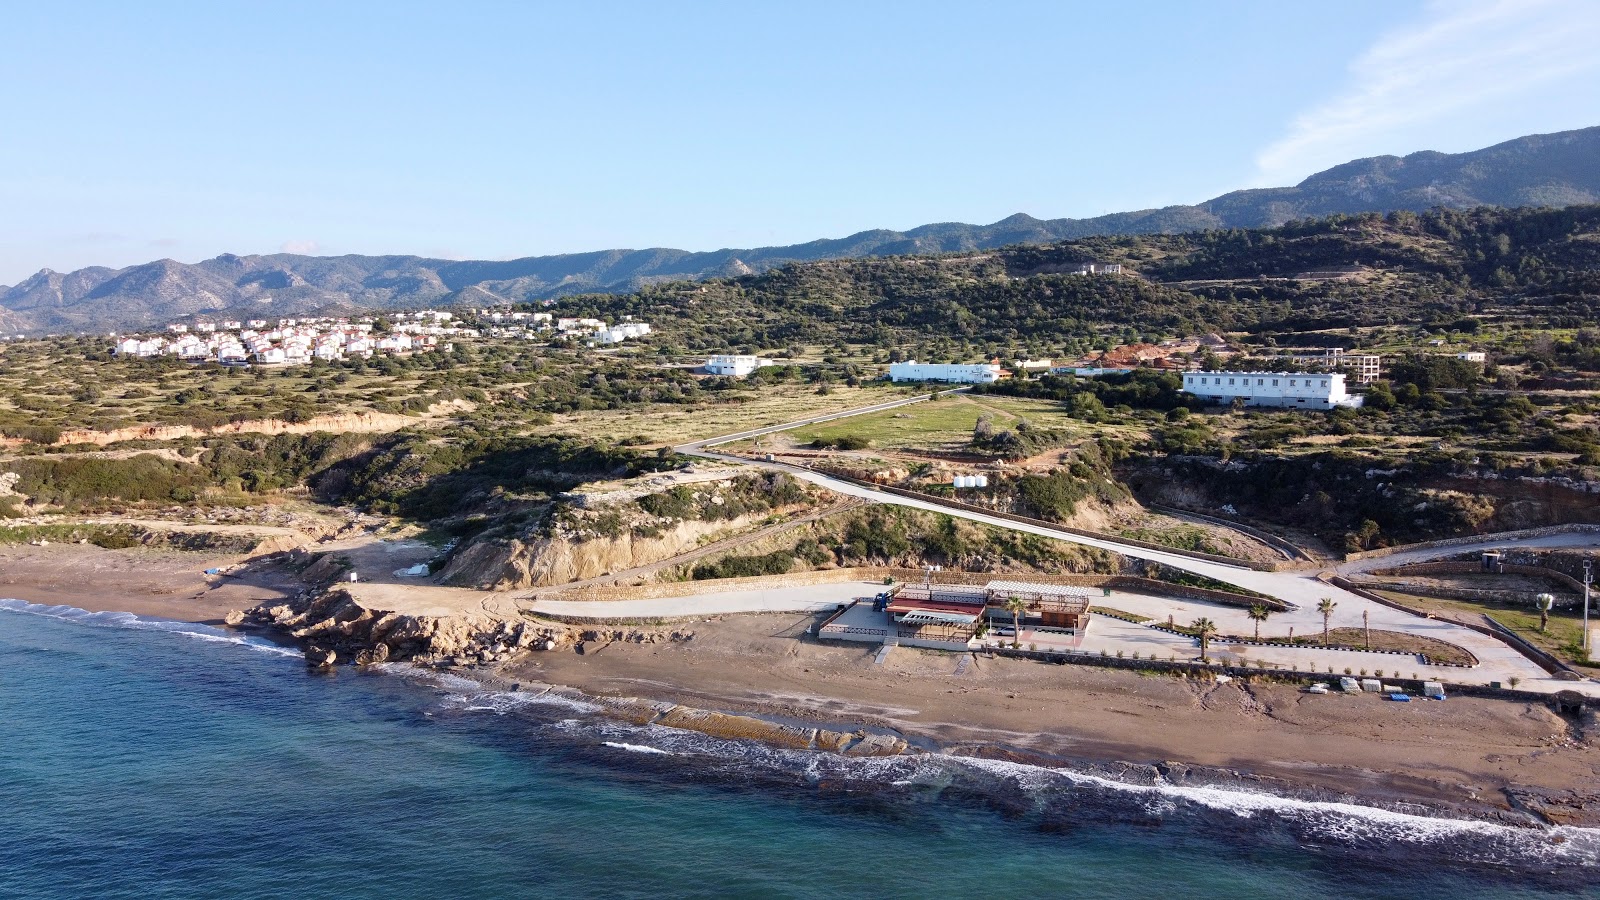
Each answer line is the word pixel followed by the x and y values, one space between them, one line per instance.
pixel 1569 528
pixel 876 574
pixel 1456 567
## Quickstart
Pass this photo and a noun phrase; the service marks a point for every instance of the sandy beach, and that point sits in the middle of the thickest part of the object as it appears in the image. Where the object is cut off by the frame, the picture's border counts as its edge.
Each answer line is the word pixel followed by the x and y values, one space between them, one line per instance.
pixel 1464 753
pixel 168 584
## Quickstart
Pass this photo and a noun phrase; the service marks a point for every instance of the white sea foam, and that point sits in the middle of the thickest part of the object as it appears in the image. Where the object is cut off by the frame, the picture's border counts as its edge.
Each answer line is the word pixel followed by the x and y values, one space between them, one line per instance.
pixel 1349 822
pixel 114 619
pixel 637 748
pixel 1332 821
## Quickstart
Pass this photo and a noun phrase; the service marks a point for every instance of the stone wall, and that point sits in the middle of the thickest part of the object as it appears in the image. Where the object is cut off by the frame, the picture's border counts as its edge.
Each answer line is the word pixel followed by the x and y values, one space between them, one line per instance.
pixel 1570 528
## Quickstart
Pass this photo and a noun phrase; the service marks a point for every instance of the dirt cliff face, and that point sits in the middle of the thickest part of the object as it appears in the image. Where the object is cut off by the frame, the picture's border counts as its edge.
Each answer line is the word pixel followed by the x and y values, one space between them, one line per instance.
pixel 1332 496
pixel 502 564
pixel 615 530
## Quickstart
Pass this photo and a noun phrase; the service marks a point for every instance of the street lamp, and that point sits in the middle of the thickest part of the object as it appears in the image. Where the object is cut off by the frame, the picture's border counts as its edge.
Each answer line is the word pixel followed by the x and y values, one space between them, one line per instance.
pixel 1588 578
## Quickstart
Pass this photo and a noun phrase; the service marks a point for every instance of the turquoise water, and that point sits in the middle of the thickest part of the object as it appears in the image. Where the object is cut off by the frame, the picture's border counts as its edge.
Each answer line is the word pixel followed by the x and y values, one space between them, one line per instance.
pixel 149 759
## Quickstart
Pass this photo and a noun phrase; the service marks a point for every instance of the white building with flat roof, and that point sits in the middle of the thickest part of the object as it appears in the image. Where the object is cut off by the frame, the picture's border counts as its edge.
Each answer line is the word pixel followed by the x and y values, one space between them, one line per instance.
pixel 958 373
pixel 736 365
pixel 1295 390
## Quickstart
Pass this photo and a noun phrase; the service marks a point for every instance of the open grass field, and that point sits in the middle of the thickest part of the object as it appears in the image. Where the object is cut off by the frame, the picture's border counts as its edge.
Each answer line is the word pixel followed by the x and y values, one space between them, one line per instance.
pixel 666 424
pixel 947 423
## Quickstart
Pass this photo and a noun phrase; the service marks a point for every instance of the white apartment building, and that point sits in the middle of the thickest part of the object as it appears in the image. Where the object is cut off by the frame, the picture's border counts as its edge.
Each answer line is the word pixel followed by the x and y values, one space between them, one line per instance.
pixel 1296 390
pixel 958 373
pixel 737 366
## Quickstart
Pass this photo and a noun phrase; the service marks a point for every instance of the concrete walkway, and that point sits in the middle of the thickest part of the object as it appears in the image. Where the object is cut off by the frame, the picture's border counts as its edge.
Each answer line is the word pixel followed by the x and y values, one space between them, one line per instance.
pixel 807 598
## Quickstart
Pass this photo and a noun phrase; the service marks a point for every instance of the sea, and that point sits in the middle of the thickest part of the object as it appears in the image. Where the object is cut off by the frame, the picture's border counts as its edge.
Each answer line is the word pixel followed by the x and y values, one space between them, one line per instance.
pixel 144 758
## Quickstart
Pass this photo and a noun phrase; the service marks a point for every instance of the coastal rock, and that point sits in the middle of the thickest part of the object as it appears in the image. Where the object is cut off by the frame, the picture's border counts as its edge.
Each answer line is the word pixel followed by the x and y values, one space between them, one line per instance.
pixel 876 745
pixel 833 741
pixel 320 657
pixel 724 725
pixel 334 619
pixel 234 618
pixel 377 653
pixel 1577 807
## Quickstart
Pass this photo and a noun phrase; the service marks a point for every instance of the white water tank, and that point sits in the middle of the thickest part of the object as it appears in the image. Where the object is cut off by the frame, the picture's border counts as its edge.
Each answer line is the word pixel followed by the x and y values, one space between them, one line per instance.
pixel 980 481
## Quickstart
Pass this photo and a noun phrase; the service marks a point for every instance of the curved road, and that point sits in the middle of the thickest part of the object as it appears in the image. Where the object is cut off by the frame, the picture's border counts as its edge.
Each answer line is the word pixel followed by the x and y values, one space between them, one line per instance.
pixel 1497 661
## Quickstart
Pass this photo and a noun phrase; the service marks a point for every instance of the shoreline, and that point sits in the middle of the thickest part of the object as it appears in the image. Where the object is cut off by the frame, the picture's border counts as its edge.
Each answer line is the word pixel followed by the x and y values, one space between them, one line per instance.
pixel 1490 759
pixel 1509 762
pixel 165 584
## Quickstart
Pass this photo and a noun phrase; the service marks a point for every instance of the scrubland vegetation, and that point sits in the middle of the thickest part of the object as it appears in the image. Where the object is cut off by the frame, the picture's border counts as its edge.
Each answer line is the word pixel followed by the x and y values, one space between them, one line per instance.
pixel 492 431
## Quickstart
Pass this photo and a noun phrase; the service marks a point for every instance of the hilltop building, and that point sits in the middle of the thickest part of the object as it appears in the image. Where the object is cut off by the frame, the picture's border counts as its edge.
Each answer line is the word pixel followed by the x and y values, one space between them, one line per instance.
pixel 735 365
pixel 1098 268
pixel 1364 368
pixel 956 373
pixel 1295 390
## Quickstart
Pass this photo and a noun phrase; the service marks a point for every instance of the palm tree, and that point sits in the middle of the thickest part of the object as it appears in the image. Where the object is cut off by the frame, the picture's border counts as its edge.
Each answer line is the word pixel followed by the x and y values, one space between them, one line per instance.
pixel 1544 602
pixel 1325 606
pixel 1203 629
pixel 1258 614
pixel 1016 605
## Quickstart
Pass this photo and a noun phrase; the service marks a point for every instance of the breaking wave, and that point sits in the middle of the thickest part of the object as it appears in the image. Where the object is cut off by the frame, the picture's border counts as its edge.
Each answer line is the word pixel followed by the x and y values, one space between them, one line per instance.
pixel 131 621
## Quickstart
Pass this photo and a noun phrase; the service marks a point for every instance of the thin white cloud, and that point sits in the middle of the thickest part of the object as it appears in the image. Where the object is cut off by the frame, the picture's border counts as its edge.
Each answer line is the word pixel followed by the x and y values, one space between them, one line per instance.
pixel 304 247
pixel 1463 60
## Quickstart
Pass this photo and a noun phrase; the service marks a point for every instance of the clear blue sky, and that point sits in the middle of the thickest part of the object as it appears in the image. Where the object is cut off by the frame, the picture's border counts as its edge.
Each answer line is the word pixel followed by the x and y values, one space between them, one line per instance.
pixel 138 131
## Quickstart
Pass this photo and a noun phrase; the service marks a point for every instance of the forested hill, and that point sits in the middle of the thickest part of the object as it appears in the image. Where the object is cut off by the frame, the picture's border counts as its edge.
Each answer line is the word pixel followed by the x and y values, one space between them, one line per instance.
pixel 1309 282
pixel 1540 170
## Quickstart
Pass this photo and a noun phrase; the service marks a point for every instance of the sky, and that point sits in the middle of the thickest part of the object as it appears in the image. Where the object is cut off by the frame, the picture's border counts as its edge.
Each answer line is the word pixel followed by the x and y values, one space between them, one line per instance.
pixel 132 132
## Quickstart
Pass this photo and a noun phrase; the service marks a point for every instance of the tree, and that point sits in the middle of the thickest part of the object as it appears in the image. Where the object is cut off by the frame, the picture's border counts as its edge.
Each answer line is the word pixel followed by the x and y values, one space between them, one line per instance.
pixel 1325 606
pixel 1258 614
pixel 1203 629
pixel 1543 602
pixel 1016 606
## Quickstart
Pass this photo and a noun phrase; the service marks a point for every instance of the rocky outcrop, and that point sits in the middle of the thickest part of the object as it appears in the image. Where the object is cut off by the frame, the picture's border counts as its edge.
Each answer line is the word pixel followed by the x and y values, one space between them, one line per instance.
pixel 335 623
pixel 790 736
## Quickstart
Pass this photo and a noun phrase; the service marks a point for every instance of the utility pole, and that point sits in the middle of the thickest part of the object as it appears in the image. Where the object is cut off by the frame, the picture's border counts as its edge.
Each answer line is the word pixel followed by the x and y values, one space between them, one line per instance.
pixel 1366 629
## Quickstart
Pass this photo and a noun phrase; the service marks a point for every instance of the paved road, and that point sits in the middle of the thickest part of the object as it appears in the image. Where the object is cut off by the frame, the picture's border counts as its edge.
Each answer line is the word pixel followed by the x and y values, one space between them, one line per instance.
pixel 1497 661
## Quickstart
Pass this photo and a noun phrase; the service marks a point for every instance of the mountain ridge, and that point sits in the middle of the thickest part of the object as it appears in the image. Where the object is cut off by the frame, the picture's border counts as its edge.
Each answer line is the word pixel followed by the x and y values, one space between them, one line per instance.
pixel 1559 169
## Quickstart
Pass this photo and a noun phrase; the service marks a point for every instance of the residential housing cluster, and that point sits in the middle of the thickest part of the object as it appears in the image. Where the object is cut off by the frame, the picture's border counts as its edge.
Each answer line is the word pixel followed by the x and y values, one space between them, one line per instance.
pixel 297 341
pixel 516 324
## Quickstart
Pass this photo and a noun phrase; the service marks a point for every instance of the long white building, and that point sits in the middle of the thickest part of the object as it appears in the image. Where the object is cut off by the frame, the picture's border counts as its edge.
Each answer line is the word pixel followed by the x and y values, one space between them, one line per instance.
pixel 959 373
pixel 1297 390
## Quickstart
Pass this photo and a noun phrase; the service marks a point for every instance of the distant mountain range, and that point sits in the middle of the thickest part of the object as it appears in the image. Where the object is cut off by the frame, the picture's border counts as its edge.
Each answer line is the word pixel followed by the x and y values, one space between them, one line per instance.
pixel 1538 170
